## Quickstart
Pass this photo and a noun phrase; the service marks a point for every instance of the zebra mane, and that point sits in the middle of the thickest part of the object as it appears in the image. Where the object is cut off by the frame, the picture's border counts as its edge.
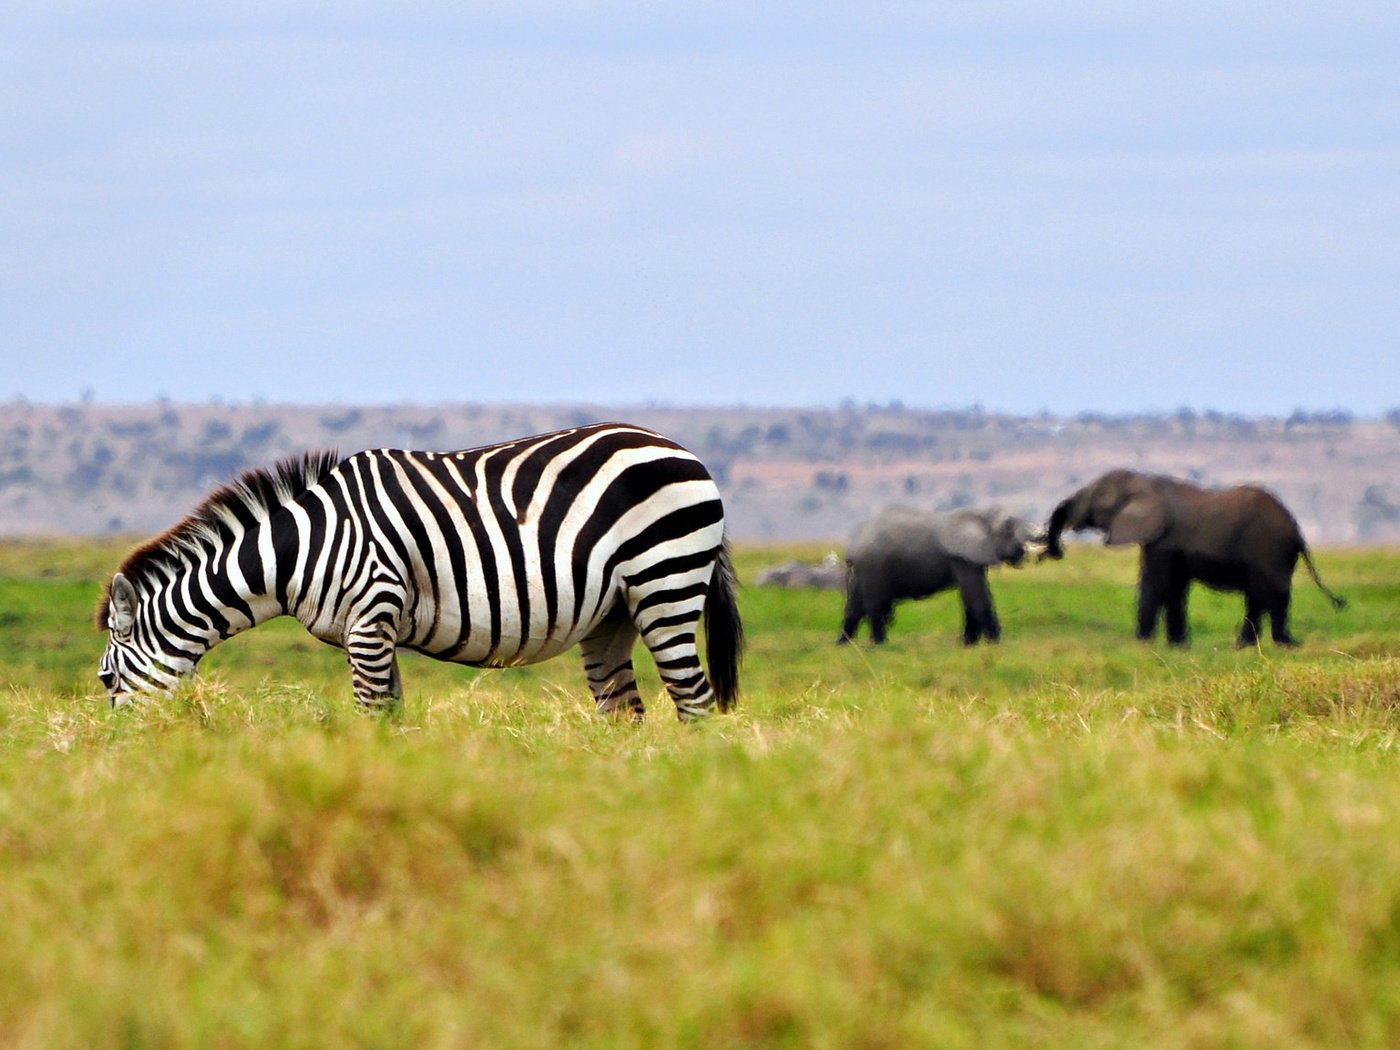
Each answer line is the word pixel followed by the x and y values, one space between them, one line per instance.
pixel 249 498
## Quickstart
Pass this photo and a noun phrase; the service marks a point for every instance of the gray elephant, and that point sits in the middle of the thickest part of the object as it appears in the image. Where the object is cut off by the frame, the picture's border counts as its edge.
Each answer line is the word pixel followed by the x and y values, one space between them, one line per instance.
pixel 903 553
pixel 1234 539
pixel 828 574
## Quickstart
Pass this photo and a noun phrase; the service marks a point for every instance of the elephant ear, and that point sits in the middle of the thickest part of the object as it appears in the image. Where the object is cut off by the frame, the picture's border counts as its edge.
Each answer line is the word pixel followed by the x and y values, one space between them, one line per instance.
pixel 968 535
pixel 1141 518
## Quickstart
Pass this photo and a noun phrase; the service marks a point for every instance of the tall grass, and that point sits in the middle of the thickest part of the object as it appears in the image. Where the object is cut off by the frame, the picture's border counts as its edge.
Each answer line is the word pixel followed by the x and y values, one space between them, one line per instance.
pixel 1069 839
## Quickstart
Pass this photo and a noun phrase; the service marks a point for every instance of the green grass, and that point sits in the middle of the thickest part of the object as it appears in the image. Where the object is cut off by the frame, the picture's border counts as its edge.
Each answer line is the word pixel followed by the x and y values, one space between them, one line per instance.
pixel 1070 839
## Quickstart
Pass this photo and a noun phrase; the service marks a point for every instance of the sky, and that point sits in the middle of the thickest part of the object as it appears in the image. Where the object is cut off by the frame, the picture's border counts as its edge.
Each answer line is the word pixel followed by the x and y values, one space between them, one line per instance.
pixel 1028 206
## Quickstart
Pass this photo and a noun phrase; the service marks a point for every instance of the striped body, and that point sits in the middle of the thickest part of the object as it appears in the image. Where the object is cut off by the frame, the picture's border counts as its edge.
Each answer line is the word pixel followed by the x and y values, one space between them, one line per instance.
pixel 502 555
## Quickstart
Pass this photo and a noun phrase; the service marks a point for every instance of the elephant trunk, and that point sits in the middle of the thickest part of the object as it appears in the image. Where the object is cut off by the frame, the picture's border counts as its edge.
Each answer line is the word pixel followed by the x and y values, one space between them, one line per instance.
pixel 1058 520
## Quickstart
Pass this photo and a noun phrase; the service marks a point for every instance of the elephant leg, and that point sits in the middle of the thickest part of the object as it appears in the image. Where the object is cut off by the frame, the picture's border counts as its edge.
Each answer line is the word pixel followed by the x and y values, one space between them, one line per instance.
pixel 1276 602
pixel 1178 587
pixel 881 616
pixel 979 612
pixel 1253 613
pixel 991 629
pixel 1278 619
pixel 972 628
pixel 1154 579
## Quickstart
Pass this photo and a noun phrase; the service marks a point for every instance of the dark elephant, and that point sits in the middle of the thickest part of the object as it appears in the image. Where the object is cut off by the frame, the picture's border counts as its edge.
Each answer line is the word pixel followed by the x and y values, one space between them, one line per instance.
pixel 1235 539
pixel 903 553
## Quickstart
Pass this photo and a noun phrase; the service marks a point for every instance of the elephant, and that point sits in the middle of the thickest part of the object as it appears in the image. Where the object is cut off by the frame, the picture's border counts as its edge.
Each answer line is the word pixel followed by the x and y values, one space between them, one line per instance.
pixel 1231 539
pixel 828 575
pixel 902 553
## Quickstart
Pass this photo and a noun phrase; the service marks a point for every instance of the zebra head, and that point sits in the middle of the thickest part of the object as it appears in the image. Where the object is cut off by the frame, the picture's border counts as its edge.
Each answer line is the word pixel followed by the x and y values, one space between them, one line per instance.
pixel 140 656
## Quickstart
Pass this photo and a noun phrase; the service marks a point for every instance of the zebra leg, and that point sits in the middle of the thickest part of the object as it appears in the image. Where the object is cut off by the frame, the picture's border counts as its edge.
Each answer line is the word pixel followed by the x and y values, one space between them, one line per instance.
pixel 607 660
pixel 374 666
pixel 671 641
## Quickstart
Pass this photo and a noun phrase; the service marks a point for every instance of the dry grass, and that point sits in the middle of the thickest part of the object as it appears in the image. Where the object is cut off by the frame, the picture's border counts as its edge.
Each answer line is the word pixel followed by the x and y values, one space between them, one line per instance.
pixel 1068 840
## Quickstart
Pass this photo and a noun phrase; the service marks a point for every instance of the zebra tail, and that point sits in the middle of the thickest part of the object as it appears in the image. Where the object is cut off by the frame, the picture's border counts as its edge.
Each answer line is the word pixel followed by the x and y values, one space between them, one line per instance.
pixel 724 631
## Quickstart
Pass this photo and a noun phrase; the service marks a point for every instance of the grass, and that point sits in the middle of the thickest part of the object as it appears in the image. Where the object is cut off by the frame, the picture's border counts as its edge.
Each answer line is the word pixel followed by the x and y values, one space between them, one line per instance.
pixel 1069 839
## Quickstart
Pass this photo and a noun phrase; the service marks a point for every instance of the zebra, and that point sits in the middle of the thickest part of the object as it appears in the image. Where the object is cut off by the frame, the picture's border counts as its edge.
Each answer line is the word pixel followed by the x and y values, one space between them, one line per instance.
pixel 495 556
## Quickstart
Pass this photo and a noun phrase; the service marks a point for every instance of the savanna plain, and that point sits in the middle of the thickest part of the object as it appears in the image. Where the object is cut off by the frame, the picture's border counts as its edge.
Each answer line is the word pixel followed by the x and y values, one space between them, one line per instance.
pixel 1069 839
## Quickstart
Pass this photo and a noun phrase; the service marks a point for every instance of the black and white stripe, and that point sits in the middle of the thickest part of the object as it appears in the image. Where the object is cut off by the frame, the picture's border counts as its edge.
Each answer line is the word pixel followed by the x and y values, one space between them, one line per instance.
pixel 495 556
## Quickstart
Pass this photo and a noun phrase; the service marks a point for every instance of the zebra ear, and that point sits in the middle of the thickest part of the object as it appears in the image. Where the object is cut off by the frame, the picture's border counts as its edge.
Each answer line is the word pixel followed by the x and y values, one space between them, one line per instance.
pixel 121 610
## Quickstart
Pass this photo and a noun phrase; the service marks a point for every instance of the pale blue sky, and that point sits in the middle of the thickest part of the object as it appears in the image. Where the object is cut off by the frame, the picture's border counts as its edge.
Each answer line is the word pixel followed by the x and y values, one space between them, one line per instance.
pixel 1059 205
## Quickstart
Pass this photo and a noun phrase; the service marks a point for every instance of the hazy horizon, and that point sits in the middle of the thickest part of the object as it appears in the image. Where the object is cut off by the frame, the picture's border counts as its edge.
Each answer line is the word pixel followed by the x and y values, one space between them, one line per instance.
pixel 1390 414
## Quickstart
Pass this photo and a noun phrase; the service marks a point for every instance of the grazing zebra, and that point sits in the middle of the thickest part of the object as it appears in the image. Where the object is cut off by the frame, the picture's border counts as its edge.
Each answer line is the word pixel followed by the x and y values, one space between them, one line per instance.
pixel 496 556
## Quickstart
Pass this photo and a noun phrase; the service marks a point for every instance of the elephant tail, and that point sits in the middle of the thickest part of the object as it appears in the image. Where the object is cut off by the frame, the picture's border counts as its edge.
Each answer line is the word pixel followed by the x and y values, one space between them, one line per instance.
pixel 724 631
pixel 1338 602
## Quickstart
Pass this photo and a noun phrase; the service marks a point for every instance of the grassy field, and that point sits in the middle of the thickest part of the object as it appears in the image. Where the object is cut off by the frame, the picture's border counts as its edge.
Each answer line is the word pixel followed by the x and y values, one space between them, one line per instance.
pixel 1070 839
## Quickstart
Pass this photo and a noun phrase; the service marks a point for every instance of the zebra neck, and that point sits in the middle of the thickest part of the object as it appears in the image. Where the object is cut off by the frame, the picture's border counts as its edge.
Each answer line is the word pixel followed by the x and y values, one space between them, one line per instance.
pixel 240 583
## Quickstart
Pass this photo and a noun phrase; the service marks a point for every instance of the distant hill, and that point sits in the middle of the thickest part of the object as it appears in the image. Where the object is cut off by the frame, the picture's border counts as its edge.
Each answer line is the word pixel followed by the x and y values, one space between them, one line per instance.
pixel 787 474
